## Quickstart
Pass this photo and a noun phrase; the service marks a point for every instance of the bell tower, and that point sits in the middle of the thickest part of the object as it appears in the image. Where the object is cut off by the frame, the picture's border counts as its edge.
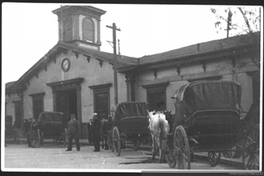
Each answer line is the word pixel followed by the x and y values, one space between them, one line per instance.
pixel 80 25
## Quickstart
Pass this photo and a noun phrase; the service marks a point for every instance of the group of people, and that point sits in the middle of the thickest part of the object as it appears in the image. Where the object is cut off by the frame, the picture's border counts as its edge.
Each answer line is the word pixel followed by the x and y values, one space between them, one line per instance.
pixel 30 128
pixel 98 130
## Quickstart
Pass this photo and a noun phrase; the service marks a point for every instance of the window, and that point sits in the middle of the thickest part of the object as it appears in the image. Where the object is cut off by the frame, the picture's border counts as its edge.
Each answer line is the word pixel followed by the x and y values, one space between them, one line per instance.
pixel 101 100
pixel 18 114
pixel 67 34
pixel 156 96
pixel 38 107
pixel 88 30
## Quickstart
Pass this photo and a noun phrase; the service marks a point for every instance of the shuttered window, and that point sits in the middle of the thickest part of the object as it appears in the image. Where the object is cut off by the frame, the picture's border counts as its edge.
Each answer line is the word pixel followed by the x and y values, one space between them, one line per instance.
pixel 101 100
pixel 156 96
pixel 67 34
pixel 88 30
pixel 38 105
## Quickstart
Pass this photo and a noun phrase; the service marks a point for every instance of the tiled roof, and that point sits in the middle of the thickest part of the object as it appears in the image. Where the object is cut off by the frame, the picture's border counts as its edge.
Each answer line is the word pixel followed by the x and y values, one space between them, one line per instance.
pixel 130 62
pixel 200 48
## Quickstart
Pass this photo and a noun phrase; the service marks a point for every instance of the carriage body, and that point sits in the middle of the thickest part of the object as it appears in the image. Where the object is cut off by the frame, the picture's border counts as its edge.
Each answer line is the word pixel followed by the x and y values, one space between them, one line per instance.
pixel 52 125
pixel 214 119
pixel 130 123
pixel 207 119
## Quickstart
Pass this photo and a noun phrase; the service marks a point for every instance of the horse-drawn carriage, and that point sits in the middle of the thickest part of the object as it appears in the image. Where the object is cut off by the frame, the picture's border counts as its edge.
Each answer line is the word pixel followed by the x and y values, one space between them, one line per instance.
pixel 130 123
pixel 52 125
pixel 211 123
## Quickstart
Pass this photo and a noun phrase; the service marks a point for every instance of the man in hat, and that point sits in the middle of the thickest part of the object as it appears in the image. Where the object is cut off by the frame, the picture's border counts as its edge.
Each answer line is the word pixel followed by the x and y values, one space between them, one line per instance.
pixel 73 133
pixel 27 126
pixel 96 132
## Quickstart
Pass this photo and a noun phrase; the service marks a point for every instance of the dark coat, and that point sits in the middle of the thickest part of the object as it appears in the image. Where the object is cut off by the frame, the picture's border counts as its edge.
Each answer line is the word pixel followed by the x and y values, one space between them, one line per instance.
pixel 33 130
pixel 96 128
pixel 104 127
pixel 73 127
pixel 180 114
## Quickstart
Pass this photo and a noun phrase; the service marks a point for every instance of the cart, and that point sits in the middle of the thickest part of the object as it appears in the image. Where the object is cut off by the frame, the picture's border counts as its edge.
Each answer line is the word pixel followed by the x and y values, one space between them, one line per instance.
pixel 130 123
pixel 52 125
pixel 212 124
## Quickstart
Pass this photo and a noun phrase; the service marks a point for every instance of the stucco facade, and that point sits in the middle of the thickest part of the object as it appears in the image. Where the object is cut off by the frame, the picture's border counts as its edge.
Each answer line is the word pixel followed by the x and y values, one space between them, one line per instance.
pixel 219 69
pixel 88 82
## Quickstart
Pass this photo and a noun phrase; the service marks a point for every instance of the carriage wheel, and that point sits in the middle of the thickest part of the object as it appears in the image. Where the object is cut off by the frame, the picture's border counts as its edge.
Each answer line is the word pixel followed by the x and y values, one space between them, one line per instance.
pixel 214 157
pixel 181 149
pixel 65 140
pixel 229 154
pixel 39 139
pixel 251 149
pixel 136 145
pixel 170 157
pixel 116 141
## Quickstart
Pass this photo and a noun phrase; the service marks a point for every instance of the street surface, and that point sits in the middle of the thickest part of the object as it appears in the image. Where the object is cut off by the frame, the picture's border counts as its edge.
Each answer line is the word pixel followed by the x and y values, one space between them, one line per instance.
pixel 53 157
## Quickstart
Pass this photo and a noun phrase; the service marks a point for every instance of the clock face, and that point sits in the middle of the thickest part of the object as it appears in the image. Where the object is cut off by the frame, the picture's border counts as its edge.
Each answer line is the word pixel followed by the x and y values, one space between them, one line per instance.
pixel 65 65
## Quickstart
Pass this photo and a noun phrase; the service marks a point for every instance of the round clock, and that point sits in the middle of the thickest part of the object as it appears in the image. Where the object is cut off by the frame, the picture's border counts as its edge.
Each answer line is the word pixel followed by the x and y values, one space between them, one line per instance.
pixel 65 65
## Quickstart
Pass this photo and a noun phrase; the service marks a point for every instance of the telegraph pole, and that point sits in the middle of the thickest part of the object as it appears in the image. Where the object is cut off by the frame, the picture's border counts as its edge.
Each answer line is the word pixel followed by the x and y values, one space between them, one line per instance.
pixel 115 62
pixel 229 19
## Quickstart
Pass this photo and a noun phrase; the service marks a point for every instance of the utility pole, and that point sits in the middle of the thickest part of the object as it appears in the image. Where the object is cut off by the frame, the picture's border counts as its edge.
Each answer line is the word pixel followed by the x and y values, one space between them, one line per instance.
pixel 229 19
pixel 115 62
pixel 118 47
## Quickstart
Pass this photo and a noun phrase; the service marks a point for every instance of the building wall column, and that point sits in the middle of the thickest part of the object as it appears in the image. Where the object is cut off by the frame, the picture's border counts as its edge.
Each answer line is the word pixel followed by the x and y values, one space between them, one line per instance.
pixel 130 84
pixel 79 108
pixel 128 87
pixel 54 100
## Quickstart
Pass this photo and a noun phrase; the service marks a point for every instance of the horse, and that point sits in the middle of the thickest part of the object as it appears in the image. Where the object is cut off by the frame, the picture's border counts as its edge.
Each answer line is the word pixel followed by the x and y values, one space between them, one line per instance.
pixel 159 129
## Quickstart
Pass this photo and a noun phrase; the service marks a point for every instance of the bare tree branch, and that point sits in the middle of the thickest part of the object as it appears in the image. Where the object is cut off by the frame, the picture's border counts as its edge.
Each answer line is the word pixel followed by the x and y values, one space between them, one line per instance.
pixel 245 18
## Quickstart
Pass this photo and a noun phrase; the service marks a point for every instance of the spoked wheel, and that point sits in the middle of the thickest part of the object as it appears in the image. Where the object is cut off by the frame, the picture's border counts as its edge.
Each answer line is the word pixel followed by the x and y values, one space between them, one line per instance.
pixel 251 149
pixel 136 145
pixel 214 157
pixel 39 139
pixel 65 140
pixel 170 157
pixel 229 154
pixel 116 141
pixel 181 149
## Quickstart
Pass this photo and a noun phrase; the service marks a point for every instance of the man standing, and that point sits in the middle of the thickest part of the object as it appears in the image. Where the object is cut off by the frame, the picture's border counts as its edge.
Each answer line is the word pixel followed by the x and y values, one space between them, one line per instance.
pixel 33 132
pixel 96 132
pixel 27 126
pixel 73 132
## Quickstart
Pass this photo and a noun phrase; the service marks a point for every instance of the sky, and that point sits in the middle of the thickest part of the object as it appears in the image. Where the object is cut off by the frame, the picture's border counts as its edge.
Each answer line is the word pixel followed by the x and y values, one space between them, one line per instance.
pixel 30 30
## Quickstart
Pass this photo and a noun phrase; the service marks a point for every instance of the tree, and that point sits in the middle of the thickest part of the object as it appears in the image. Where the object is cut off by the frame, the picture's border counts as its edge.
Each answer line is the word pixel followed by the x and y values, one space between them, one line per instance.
pixel 238 21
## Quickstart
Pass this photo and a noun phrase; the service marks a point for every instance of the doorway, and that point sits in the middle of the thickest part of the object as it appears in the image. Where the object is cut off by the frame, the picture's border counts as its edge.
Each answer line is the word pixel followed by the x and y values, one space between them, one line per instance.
pixel 66 102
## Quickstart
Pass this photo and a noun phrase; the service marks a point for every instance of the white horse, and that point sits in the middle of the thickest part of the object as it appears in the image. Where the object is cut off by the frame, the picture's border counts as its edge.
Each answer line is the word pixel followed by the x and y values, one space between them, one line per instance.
pixel 159 129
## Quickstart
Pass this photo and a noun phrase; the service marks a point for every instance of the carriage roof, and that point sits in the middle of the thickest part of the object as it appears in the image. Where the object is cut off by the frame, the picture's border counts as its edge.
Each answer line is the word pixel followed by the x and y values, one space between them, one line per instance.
pixel 51 117
pixel 204 95
pixel 130 109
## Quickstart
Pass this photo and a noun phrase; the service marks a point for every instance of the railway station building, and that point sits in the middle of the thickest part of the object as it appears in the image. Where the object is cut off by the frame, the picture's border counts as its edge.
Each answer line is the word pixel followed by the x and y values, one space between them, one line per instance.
pixel 76 77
